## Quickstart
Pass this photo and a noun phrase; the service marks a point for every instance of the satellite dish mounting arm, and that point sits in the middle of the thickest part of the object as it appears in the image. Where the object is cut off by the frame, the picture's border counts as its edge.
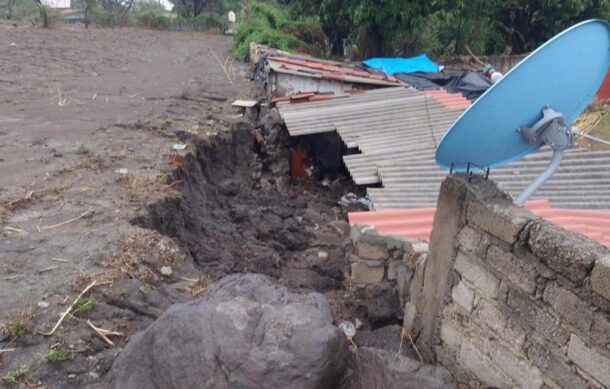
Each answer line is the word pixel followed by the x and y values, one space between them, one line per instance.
pixel 551 130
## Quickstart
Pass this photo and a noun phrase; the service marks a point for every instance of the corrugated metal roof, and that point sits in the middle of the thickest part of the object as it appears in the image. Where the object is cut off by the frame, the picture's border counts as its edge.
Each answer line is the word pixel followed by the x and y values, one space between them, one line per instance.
pixel 417 223
pixel 304 66
pixel 397 130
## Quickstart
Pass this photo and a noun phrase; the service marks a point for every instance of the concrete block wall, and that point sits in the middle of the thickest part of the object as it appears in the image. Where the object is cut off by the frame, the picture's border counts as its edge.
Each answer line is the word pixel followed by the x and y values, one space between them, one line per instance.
pixel 380 262
pixel 506 299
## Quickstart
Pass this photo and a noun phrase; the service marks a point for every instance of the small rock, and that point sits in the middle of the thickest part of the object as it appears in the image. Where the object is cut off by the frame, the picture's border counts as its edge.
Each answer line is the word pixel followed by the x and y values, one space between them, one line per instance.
pixel 166 271
pixel 348 328
pixel 122 171
pixel 43 304
pixel 322 254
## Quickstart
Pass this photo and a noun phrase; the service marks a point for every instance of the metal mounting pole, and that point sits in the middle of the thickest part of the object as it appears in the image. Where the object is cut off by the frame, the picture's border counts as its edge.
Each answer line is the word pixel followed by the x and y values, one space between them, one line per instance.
pixel 541 179
pixel 551 130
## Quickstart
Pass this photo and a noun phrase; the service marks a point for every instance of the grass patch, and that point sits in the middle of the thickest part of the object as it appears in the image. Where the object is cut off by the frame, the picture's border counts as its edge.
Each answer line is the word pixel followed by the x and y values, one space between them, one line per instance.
pixel 57 355
pixel 18 329
pixel 84 306
pixel 83 150
pixel 17 376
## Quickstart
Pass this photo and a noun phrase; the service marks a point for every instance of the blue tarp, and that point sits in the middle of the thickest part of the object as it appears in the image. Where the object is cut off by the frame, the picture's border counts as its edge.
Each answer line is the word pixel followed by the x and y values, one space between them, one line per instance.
pixel 390 66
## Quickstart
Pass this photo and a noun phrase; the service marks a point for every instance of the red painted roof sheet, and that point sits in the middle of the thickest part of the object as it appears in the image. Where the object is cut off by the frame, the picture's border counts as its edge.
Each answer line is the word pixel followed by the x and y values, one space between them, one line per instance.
pixel 417 223
pixel 449 100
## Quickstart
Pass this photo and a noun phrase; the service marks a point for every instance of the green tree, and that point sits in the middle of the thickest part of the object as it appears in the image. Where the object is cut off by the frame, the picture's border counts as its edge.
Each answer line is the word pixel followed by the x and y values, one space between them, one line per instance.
pixel 526 24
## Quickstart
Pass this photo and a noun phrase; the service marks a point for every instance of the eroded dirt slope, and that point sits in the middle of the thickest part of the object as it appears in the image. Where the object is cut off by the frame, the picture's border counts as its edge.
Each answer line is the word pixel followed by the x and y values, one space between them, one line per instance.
pixel 87 124
pixel 92 191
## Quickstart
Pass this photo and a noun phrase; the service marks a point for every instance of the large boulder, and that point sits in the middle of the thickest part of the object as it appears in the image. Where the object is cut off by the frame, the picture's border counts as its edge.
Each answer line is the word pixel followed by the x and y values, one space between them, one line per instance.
pixel 371 368
pixel 246 333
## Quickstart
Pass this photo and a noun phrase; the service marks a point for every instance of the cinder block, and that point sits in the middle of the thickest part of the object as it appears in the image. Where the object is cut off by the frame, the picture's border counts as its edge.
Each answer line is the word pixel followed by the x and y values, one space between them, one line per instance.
pixel 469 239
pixel 600 330
pixel 486 313
pixel 504 221
pixel 519 272
pixel 600 277
pixel 373 251
pixel 553 366
pixel 366 272
pixel 483 281
pixel 571 307
pixel 451 337
pixel 482 367
pixel 542 322
pixel 519 369
pixel 590 360
pixel 463 296
pixel 568 253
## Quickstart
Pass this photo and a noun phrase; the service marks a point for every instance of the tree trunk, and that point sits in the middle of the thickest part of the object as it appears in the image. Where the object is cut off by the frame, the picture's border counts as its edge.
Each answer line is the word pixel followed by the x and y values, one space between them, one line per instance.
pixel 337 48
pixel 373 42
pixel 9 9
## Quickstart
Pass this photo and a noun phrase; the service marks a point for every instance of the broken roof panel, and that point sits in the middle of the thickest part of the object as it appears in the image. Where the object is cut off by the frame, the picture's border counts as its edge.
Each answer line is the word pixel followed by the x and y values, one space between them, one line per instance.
pixel 289 74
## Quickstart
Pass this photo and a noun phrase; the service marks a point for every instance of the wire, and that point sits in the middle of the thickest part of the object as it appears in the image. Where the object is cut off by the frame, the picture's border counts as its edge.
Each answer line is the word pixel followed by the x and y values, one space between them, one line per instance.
pixel 593 138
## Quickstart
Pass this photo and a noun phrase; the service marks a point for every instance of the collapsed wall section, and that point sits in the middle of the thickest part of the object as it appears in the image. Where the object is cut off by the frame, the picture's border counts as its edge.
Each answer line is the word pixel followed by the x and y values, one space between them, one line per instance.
pixel 507 299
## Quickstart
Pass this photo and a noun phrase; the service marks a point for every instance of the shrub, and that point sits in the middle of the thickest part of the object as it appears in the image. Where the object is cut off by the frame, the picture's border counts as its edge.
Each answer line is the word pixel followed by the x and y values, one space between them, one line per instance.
pixel 153 19
pixel 209 21
pixel 271 26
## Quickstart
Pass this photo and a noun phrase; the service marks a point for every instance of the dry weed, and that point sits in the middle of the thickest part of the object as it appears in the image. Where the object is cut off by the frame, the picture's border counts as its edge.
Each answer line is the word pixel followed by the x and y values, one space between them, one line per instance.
pixel 138 187
pixel 143 252
pixel 7 206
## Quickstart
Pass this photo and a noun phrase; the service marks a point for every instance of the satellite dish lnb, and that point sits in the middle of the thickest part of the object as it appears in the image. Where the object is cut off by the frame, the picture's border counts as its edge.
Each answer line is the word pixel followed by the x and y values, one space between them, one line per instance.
pixel 533 105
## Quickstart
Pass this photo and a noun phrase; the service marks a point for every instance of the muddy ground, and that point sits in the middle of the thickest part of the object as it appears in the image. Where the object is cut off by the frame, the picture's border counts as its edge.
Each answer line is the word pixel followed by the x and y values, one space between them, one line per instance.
pixel 92 190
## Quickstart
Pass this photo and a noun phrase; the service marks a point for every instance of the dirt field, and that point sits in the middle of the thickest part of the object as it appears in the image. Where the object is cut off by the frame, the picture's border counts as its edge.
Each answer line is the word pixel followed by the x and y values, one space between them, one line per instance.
pixel 91 190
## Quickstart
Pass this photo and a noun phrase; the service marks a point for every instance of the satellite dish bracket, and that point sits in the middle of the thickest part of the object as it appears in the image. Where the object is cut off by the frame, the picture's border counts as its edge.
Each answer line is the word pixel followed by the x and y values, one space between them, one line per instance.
pixel 551 130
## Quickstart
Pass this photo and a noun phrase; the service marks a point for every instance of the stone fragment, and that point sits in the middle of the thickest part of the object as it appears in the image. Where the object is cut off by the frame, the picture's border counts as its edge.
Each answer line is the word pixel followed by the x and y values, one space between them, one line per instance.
pixel 322 254
pixel 166 271
pixel 366 272
pixel 366 250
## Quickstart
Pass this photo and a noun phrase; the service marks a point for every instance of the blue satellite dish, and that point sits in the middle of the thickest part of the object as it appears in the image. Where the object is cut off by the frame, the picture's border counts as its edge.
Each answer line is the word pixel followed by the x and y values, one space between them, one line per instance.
pixel 534 104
